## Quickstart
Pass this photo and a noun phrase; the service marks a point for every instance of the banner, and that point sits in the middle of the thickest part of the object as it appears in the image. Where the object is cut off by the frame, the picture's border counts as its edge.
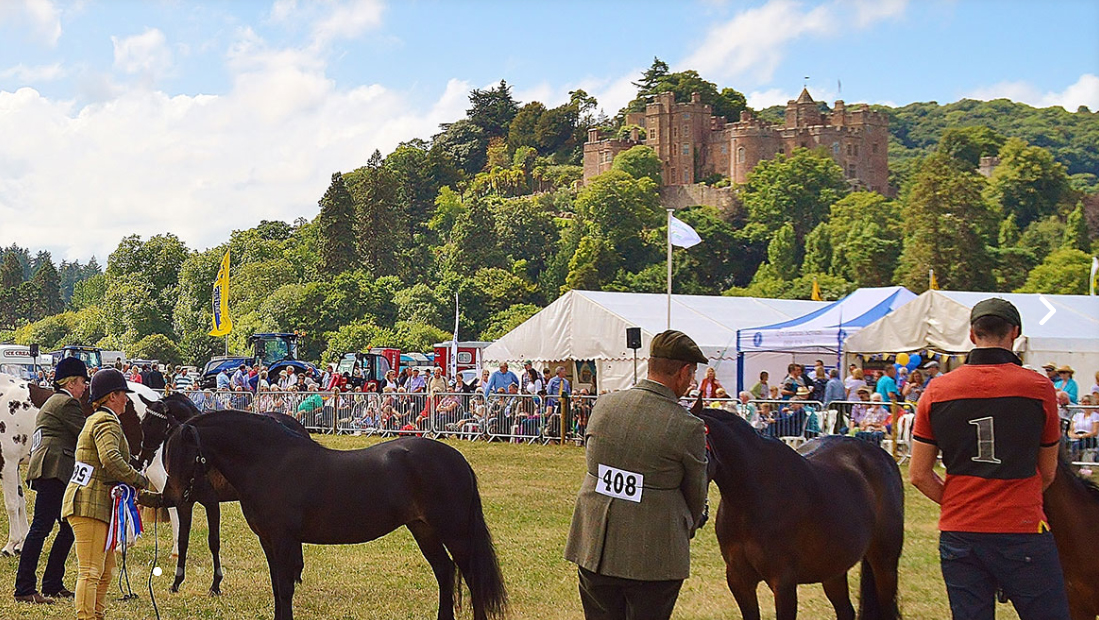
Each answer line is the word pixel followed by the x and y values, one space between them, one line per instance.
pixel 681 234
pixel 220 300
pixel 816 291
pixel 1094 271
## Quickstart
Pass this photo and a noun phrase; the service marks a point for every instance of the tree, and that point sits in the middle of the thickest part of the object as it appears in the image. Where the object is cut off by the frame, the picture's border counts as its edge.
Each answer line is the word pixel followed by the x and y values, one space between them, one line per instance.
pixel 11 272
pixel 156 347
pixel 782 254
pixel 471 245
pixel 1043 236
pixel 860 241
pixel 726 102
pixel 492 109
pixel 521 130
pixel 799 189
pixel 356 336
pixel 639 162
pixel 48 283
pixel 944 216
pixel 525 232
pixel 378 231
pixel 970 144
pixel 1064 272
pixel 464 143
pixel 593 265
pixel 503 321
pixel 1028 182
pixel 335 225
pixel 1076 230
pixel 555 129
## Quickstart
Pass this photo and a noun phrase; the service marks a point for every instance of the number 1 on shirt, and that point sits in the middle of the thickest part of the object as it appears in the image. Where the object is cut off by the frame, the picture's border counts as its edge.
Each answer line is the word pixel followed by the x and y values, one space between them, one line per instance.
pixel 986 441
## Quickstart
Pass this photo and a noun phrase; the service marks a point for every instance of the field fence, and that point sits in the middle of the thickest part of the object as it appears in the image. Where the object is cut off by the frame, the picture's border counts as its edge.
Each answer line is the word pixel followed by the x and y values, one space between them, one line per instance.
pixel 527 418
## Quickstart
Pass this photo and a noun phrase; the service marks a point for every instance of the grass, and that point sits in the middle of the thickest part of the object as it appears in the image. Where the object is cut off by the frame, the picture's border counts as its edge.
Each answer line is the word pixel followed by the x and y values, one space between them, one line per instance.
pixel 528 494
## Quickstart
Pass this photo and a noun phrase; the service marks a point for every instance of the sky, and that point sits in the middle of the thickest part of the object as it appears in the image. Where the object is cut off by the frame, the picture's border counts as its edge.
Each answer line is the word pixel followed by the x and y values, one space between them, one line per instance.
pixel 122 117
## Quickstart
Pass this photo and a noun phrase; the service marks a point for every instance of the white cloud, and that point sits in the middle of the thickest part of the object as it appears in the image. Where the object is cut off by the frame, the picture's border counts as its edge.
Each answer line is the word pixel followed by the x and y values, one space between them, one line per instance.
pixel 146 53
pixel 751 45
pixel 329 20
pixel 1085 91
pixel 144 162
pixel 39 73
pixel 43 15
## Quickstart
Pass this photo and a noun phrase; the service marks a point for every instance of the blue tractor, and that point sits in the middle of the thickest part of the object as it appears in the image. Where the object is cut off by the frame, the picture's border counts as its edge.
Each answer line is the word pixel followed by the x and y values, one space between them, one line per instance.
pixel 275 351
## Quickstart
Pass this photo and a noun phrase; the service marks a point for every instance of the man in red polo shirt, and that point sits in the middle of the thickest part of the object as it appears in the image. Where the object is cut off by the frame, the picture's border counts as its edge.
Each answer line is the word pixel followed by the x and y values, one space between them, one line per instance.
pixel 997 427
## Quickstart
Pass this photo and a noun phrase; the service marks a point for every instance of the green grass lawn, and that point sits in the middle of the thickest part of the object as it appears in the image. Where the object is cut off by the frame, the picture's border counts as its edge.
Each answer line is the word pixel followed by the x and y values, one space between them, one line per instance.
pixel 528 494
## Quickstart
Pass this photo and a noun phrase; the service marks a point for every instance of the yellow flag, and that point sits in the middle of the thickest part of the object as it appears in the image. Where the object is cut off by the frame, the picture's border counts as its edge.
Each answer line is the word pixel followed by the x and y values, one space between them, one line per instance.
pixel 222 323
pixel 932 283
pixel 816 291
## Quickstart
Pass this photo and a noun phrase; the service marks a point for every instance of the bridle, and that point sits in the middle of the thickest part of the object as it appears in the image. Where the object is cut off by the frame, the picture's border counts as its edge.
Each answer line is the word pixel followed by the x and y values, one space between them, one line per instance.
pixel 147 451
pixel 200 462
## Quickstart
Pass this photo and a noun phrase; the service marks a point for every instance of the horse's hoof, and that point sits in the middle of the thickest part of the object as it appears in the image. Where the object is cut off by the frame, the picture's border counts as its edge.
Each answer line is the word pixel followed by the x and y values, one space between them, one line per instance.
pixel 9 554
pixel 174 589
pixel 215 592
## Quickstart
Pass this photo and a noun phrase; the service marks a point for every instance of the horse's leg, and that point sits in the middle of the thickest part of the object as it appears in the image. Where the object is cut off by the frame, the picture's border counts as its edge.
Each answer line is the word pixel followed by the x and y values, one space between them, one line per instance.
pixel 274 567
pixel 785 590
pixel 288 556
pixel 743 588
pixel 173 517
pixel 836 591
pixel 441 564
pixel 184 510
pixel 213 537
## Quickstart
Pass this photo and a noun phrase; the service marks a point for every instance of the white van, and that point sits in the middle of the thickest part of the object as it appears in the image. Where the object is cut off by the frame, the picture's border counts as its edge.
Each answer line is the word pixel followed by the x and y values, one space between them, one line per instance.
pixel 16 360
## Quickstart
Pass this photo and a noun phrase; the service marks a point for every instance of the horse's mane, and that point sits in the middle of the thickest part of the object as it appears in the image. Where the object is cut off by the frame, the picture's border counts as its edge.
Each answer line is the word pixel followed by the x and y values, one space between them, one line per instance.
pixel 736 424
pixel 183 400
pixel 259 428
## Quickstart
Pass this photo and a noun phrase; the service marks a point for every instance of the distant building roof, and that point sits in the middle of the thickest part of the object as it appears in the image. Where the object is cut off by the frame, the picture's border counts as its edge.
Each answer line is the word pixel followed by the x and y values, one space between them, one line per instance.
pixel 804 96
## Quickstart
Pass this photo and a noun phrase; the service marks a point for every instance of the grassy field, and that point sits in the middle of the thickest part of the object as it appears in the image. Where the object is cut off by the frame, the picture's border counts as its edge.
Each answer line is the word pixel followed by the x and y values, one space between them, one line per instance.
pixel 528 493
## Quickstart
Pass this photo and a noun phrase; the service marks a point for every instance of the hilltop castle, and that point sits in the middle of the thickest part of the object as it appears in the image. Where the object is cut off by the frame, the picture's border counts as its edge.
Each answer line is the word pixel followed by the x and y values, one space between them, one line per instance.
pixel 692 143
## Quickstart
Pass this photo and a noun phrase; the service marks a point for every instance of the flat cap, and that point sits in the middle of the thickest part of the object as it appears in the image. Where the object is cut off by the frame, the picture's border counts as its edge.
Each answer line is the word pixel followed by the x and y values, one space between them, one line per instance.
pixel 995 306
pixel 675 345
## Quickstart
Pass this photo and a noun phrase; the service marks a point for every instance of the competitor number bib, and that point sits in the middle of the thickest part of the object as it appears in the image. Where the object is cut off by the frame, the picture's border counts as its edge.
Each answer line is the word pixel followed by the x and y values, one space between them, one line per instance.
pixel 82 474
pixel 36 439
pixel 614 482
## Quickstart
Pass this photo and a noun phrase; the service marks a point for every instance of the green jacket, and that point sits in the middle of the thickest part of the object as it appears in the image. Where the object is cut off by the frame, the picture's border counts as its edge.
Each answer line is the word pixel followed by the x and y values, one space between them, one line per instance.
pixel 102 446
pixel 645 431
pixel 53 446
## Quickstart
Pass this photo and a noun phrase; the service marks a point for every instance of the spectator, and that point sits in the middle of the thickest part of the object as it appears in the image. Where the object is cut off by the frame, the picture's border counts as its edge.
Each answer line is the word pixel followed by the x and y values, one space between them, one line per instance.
pixel 558 387
pixel 901 378
pixel 155 379
pixel 792 381
pixel 761 390
pixel 1095 388
pixel 183 380
pixel 533 381
pixel 932 370
pixel 914 387
pixel 223 382
pixel 135 374
pixel 873 425
pixel 853 382
pixel 774 392
pixel 833 389
pixel 1085 429
pixel 479 384
pixel 262 383
pixel 710 385
pixel 416 382
pixel 390 380
pixel 887 385
pixel 1051 372
pixel 406 374
pixel 858 411
pixel 500 380
pixel 526 376
pixel 1067 384
pixel 818 373
pixel 1062 407
pixel 240 378
pixel 819 381
pixel 747 410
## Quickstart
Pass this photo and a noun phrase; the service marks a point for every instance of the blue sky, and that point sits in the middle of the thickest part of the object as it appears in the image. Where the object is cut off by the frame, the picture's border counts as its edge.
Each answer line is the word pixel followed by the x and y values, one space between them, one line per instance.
pixel 128 116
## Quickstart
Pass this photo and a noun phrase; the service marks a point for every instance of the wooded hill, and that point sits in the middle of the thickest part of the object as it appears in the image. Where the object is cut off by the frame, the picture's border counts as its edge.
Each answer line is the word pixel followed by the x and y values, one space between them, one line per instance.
pixel 489 209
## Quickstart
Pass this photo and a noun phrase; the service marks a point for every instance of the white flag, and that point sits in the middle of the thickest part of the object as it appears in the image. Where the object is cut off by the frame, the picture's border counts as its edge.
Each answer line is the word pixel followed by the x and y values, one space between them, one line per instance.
pixel 1094 270
pixel 680 234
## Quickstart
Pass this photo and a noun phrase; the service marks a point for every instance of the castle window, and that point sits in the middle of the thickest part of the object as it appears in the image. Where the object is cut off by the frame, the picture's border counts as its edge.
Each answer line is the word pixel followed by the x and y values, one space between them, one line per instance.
pixel 675 132
pixel 686 176
pixel 724 149
pixel 848 149
pixel 804 144
pixel 851 171
pixel 782 150
pixel 686 116
pixel 740 155
pixel 835 148
pixel 874 148
pixel 856 150
pixel 686 130
pixel 686 148
pixel 672 175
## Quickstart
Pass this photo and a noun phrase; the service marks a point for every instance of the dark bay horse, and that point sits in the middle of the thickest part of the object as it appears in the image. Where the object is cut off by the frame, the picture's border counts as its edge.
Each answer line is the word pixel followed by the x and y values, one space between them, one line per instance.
pixel 293 491
pixel 161 418
pixel 786 519
pixel 1072 506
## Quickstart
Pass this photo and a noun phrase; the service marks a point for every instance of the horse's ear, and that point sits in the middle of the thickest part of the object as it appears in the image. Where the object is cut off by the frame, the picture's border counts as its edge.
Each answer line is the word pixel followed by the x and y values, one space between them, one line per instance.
pixel 146 400
pixel 696 408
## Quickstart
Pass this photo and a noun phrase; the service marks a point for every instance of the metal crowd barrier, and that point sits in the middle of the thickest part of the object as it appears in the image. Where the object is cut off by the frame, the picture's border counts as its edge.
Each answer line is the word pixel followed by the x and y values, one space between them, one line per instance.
pixel 1079 448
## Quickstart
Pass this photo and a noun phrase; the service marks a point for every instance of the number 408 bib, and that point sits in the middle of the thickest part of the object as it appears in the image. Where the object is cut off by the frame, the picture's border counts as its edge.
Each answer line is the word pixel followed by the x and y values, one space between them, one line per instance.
pixel 620 483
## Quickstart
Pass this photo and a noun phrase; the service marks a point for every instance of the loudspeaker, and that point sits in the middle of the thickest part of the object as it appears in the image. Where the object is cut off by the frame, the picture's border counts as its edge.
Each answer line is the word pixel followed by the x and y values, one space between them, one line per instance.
pixel 34 350
pixel 633 337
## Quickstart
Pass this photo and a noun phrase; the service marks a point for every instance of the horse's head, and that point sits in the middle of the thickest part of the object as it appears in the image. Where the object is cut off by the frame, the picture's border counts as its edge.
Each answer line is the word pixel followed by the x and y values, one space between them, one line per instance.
pixel 154 428
pixel 184 462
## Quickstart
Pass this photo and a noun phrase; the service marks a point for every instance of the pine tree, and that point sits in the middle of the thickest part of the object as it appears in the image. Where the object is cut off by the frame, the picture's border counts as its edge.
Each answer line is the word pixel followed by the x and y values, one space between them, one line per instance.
pixel 375 191
pixel 1076 230
pixel 335 229
pixel 48 282
pixel 11 271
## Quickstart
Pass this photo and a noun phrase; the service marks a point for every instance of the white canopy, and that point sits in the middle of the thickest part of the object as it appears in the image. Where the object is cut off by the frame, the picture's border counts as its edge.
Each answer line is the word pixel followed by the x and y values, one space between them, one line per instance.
pixel 939 320
pixel 590 325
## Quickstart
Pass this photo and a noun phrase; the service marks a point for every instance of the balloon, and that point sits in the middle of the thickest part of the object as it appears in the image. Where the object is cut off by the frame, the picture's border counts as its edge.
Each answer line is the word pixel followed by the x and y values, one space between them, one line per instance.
pixel 914 361
pixel 902 358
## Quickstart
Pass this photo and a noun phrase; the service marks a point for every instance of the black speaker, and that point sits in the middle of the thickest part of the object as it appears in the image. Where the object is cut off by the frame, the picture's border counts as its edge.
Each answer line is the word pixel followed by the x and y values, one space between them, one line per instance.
pixel 34 350
pixel 633 337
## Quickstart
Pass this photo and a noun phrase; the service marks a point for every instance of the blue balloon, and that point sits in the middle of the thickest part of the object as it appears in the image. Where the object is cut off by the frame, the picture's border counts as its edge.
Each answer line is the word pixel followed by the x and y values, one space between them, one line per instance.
pixel 914 361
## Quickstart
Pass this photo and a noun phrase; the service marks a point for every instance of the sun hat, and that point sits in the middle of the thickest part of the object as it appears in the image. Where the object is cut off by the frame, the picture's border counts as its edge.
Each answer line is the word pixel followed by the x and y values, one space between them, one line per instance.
pixel 1066 368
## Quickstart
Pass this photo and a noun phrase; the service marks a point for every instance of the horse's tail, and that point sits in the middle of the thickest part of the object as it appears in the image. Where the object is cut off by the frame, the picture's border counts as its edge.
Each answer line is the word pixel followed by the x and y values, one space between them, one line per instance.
pixel 487 592
pixel 871 607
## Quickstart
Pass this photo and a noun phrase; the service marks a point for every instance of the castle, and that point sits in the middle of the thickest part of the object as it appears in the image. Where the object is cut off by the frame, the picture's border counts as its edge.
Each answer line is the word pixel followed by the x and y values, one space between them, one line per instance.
pixel 692 143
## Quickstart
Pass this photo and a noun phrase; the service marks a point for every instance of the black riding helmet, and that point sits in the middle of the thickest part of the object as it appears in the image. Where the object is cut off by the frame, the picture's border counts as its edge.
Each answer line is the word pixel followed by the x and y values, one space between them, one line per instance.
pixel 106 381
pixel 70 367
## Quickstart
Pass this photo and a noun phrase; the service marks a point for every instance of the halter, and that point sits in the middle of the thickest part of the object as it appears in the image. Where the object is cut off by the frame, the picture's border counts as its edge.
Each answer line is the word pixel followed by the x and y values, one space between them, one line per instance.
pixel 145 447
pixel 200 461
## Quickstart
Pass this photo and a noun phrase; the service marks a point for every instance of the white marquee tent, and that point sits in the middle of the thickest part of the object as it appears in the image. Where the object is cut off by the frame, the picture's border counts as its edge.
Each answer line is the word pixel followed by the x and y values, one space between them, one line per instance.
pixel 939 320
pixel 590 327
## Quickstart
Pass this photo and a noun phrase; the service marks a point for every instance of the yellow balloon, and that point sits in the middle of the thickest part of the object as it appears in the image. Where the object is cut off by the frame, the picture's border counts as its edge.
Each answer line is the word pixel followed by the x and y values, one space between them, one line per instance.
pixel 902 359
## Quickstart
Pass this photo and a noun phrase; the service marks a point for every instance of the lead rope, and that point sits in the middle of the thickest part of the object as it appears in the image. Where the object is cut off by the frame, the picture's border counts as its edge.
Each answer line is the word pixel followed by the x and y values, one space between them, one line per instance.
pixel 124 528
pixel 154 570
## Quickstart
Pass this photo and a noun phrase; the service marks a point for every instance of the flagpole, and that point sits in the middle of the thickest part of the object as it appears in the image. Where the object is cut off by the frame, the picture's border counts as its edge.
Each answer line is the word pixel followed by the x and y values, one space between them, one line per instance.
pixel 669 269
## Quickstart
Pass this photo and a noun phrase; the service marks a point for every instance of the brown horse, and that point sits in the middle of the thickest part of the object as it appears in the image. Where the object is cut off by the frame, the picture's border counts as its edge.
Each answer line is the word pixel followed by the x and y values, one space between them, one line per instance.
pixel 787 519
pixel 1072 507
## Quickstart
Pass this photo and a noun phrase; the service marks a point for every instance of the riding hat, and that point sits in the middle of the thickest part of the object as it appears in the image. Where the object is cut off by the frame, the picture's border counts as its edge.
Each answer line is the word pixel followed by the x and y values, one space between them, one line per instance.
pixel 70 367
pixel 106 381
pixel 675 345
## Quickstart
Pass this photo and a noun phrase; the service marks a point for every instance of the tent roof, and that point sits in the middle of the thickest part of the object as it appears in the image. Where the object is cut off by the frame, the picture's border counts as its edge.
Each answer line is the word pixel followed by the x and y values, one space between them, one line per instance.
pixel 824 329
pixel 592 324
pixel 940 320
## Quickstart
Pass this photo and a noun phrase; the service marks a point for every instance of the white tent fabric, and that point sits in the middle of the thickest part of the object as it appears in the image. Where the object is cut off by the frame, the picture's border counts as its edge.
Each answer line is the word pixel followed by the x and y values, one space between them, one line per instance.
pixel 588 325
pixel 939 320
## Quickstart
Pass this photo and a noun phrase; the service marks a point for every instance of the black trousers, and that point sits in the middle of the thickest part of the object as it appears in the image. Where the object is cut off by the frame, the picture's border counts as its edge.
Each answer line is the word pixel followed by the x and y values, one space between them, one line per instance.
pixel 615 598
pixel 47 511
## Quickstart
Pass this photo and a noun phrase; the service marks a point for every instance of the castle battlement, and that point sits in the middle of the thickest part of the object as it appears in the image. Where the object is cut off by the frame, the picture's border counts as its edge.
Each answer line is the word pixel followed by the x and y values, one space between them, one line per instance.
pixel 690 141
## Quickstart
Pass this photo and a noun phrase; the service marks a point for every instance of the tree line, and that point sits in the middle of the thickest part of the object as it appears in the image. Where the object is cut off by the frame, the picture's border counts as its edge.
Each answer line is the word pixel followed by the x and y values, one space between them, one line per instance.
pixel 489 210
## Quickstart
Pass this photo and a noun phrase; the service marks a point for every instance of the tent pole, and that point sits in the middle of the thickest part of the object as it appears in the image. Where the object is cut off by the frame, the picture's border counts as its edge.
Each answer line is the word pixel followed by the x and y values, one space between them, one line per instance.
pixel 669 269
